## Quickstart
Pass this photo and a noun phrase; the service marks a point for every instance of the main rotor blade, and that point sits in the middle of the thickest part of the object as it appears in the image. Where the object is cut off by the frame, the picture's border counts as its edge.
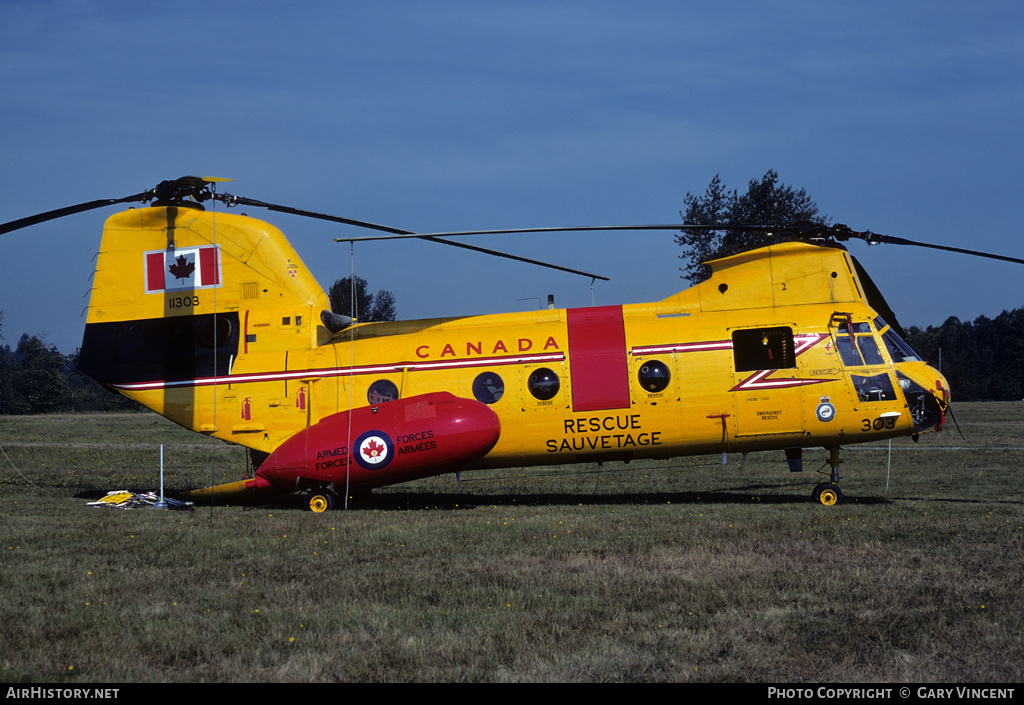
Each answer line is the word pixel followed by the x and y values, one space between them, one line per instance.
pixel 392 232
pixel 872 238
pixel 230 200
pixel 70 210
pixel 513 231
pixel 506 255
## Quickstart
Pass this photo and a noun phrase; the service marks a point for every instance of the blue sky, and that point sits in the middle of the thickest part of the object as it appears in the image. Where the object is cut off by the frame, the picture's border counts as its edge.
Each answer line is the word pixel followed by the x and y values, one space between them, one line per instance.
pixel 899 117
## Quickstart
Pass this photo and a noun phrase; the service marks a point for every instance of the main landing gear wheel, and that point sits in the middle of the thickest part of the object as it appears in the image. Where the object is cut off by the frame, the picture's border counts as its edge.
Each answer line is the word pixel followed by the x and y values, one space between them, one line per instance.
pixel 828 494
pixel 321 500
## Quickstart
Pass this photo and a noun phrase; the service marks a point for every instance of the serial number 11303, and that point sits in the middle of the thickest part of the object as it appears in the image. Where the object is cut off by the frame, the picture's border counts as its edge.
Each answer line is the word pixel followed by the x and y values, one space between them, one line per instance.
pixel 182 301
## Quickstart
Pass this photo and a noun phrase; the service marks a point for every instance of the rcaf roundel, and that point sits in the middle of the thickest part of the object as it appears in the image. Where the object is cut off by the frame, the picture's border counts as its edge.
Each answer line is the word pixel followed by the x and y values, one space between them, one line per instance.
pixel 374 450
pixel 182 268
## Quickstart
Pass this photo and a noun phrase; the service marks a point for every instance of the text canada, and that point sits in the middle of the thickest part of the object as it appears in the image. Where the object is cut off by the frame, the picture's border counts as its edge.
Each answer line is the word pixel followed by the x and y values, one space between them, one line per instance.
pixel 479 347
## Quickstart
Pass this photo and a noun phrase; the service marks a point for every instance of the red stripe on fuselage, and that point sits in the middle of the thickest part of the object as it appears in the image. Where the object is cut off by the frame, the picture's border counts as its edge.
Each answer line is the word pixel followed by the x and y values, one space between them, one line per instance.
pixel 597 358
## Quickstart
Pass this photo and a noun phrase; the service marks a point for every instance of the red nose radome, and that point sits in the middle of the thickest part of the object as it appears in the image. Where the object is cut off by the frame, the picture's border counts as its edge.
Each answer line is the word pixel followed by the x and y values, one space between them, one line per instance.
pixel 391 442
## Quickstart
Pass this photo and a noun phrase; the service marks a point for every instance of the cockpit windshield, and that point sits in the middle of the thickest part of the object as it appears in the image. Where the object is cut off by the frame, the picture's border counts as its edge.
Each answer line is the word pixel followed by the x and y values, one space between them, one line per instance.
pixel 898 348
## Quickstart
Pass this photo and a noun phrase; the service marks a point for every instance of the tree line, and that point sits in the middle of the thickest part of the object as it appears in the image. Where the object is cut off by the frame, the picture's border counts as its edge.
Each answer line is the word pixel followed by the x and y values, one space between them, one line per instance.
pixel 983 360
pixel 36 378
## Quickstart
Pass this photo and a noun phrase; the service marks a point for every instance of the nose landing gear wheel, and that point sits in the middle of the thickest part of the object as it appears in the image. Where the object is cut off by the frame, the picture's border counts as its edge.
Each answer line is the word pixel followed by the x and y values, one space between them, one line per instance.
pixel 828 494
pixel 319 501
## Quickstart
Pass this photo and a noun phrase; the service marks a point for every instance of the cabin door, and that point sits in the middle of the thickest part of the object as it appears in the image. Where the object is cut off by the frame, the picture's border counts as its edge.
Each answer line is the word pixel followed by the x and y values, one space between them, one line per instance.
pixel 768 390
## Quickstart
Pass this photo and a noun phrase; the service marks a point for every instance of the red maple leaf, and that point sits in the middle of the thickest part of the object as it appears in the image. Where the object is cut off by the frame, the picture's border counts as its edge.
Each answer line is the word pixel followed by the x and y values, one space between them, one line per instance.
pixel 372 449
pixel 182 268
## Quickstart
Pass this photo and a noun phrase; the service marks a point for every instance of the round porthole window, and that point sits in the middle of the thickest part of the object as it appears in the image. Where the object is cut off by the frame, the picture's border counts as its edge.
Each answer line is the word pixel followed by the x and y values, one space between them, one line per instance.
pixel 488 387
pixel 653 376
pixel 381 391
pixel 543 384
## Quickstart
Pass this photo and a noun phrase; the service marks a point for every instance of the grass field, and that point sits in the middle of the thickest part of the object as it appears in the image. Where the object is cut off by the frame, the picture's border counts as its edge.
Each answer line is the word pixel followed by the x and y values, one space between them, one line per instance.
pixel 687 570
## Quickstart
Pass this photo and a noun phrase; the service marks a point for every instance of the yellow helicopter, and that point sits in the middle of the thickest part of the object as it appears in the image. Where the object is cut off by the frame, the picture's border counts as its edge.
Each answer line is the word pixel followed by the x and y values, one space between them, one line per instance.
pixel 212 320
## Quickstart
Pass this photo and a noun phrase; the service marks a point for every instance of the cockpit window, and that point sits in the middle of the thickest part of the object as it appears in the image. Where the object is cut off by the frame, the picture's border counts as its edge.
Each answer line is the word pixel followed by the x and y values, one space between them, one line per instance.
pixel 899 349
pixel 847 351
pixel 868 347
pixel 860 349
pixel 874 388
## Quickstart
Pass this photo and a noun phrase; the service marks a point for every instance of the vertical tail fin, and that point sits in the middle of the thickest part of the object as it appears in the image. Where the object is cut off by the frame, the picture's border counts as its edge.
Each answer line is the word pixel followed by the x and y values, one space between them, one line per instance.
pixel 183 298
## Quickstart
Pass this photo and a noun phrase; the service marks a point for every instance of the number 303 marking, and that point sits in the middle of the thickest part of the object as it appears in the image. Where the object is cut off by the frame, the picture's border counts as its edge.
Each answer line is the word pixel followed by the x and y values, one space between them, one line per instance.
pixel 878 424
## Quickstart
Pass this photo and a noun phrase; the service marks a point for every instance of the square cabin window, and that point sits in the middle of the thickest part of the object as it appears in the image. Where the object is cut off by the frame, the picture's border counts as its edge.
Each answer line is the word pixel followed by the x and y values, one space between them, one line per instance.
pixel 763 349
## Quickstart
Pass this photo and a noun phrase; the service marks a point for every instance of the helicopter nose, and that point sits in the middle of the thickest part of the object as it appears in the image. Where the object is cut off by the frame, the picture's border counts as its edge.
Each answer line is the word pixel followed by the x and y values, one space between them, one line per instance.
pixel 927 394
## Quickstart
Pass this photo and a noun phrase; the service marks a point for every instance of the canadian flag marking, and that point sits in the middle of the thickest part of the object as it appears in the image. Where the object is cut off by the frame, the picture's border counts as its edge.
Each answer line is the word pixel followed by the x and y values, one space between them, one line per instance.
pixel 182 268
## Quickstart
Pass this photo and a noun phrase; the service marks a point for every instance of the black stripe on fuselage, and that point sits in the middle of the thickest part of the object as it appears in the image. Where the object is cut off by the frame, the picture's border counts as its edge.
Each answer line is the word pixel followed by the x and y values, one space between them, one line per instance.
pixel 174 348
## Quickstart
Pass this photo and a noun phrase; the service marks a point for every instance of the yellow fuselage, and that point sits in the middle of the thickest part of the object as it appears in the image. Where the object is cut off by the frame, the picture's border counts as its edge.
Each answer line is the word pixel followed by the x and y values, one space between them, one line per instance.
pixel 214 321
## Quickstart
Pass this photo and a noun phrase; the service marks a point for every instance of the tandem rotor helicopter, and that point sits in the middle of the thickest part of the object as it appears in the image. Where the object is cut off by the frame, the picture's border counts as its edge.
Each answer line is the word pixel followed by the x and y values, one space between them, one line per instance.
pixel 212 320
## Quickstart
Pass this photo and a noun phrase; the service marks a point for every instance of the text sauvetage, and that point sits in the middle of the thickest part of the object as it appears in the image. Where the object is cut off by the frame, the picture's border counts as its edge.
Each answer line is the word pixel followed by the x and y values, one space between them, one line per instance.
pixel 603 433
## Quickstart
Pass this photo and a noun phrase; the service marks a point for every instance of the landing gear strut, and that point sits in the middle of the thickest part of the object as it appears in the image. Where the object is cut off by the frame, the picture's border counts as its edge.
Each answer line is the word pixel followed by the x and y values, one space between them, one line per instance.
pixel 828 493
